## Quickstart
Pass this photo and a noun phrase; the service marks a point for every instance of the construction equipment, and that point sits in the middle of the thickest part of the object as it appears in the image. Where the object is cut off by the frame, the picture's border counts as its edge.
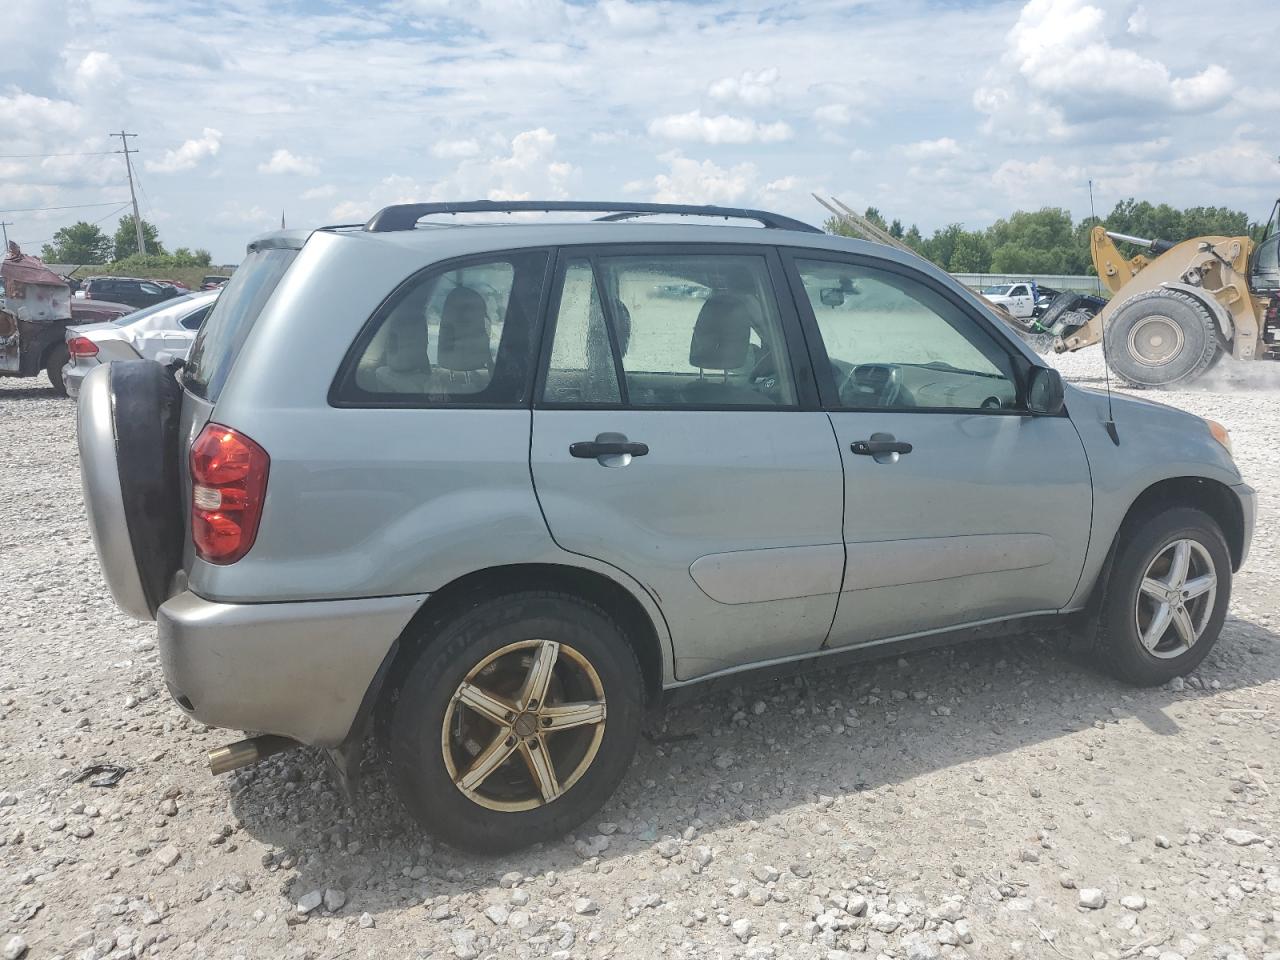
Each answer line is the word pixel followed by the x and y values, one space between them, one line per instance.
pixel 1179 309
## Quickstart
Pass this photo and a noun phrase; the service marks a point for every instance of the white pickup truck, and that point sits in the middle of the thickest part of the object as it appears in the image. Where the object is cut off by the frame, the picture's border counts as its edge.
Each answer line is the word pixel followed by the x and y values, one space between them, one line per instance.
pixel 1023 298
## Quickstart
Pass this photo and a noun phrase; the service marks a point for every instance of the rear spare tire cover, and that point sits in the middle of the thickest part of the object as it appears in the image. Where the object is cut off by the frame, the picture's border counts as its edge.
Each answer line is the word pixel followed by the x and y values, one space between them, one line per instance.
pixel 128 431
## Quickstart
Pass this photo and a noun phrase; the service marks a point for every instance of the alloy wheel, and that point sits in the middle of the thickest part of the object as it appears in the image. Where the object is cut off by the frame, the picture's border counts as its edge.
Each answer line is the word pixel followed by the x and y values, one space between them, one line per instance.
pixel 524 725
pixel 1176 599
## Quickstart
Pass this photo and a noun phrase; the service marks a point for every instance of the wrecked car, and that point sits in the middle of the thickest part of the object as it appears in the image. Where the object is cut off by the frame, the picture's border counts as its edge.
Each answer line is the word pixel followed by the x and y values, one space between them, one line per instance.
pixel 35 311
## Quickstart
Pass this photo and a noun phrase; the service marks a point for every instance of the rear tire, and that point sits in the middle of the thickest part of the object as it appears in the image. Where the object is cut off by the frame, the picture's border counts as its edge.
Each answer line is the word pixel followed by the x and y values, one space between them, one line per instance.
pixel 53 365
pixel 1131 643
pixel 1160 338
pixel 436 741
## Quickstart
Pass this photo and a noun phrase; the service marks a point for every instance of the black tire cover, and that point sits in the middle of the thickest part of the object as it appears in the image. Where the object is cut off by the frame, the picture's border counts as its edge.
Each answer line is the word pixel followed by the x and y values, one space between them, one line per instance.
pixel 146 403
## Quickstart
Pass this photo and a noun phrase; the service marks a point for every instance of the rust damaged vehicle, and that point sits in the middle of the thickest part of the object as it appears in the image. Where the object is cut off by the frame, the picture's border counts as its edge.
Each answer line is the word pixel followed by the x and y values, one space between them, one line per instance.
pixel 35 310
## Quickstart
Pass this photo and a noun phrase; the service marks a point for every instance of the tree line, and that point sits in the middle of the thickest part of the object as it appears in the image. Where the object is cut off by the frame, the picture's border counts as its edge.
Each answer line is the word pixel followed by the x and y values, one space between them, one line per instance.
pixel 86 244
pixel 1047 241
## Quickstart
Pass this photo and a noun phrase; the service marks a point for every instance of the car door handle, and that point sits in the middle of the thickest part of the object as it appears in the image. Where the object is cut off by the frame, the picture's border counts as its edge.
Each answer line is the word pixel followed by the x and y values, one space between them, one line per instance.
pixel 876 446
pixel 607 445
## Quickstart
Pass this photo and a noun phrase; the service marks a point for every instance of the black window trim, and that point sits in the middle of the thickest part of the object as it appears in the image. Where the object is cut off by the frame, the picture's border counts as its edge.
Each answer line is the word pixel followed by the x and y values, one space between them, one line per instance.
pixel 794 338
pixel 408 401
pixel 1020 365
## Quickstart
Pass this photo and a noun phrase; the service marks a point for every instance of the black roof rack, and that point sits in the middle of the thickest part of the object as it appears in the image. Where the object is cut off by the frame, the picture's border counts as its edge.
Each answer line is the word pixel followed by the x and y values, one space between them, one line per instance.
pixel 405 216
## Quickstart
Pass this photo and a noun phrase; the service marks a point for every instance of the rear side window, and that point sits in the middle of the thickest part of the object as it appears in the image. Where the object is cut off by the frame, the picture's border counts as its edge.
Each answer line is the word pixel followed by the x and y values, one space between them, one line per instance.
pixel 227 327
pixel 130 318
pixel 461 334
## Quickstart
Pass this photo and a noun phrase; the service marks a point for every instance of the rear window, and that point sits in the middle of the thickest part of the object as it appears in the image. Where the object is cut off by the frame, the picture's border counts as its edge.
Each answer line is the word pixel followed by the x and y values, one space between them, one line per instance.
pixel 227 327
pixel 155 308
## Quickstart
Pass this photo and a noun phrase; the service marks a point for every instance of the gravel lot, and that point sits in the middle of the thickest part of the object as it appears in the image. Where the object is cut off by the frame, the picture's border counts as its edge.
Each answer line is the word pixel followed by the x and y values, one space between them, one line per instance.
pixel 997 800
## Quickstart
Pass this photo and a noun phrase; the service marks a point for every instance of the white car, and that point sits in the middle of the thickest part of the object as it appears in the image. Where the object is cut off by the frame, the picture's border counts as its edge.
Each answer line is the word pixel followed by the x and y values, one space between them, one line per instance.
pixel 161 332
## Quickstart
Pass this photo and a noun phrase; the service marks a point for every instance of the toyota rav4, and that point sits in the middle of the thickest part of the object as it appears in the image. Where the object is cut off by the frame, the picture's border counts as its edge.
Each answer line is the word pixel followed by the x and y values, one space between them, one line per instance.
pixel 492 491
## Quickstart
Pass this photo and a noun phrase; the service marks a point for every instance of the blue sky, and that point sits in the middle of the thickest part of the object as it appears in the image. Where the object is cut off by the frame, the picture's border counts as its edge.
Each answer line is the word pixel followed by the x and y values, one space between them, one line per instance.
pixel 933 111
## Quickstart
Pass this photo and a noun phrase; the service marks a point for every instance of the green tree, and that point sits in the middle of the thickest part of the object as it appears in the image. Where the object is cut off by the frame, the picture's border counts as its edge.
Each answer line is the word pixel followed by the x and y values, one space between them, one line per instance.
pixel 895 229
pixel 1037 241
pixel 913 239
pixel 971 253
pixel 126 238
pixel 183 257
pixel 80 243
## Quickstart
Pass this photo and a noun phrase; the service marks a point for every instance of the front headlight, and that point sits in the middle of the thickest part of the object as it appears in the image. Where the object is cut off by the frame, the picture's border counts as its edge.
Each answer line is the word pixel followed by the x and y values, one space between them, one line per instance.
pixel 1221 434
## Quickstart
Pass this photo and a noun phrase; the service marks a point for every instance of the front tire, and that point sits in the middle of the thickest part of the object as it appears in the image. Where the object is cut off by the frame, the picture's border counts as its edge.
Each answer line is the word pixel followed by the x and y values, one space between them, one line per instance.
pixel 1161 338
pixel 515 722
pixel 1166 598
pixel 53 365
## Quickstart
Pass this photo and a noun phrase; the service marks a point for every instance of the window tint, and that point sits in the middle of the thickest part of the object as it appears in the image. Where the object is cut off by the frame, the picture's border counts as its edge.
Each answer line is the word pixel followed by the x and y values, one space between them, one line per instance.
pixel 461 334
pixel 150 289
pixel 219 341
pixel 1019 291
pixel 581 368
pixel 193 321
pixel 895 342
pixel 697 330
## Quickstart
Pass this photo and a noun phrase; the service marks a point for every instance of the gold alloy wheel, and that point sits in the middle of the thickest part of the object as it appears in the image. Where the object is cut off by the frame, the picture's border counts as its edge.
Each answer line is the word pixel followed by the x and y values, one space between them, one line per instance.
pixel 524 725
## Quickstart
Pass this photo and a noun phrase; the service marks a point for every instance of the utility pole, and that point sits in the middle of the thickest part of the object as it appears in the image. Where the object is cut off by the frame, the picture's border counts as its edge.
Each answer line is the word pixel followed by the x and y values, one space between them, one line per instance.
pixel 137 217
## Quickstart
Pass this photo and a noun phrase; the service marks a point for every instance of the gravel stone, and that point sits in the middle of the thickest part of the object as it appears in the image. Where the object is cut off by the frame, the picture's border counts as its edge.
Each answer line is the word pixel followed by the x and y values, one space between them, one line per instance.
pixel 1133 902
pixel 1092 898
pixel 310 901
pixel 1240 838
pixel 865 804
pixel 14 948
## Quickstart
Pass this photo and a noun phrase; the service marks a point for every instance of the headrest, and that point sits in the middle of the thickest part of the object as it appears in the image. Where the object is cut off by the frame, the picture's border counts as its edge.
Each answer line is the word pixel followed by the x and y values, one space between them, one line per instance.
pixel 406 348
pixel 722 332
pixel 464 332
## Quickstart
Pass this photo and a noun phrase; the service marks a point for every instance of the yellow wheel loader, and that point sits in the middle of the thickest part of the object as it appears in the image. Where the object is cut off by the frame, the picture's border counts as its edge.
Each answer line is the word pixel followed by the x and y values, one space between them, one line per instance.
pixel 1176 310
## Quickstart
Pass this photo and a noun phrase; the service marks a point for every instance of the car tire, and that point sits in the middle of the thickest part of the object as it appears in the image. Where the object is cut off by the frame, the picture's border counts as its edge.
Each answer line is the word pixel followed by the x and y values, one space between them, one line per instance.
pixel 1160 338
pixel 1131 644
pixel 437 742
pixel 53 365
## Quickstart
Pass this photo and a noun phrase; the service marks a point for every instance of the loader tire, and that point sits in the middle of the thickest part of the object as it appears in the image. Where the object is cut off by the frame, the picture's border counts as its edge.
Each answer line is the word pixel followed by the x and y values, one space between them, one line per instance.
pixel 1161 338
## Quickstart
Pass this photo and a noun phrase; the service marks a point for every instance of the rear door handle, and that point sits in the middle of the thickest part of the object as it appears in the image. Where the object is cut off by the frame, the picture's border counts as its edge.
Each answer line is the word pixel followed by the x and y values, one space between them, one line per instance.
pixel 606 446
pixel 876 446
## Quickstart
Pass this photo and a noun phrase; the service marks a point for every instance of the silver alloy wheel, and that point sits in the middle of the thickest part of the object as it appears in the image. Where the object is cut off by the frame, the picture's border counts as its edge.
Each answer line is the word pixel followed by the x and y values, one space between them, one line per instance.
pixel 1176 599
pixel 1155 340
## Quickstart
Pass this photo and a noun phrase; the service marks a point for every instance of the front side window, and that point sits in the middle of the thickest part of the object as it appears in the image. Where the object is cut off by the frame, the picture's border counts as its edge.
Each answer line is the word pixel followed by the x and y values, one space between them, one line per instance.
pixel 893 341
pixel 687 330
pixel 457 334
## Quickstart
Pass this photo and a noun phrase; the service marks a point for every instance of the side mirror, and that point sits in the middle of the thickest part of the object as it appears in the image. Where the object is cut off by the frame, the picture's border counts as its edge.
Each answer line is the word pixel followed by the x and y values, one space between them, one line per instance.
pixel 1045 393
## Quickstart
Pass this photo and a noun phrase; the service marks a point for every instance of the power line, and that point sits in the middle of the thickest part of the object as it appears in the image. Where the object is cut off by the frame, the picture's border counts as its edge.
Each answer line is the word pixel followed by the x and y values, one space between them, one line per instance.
pixel 41 243
pixel 42 156
pixel 73 206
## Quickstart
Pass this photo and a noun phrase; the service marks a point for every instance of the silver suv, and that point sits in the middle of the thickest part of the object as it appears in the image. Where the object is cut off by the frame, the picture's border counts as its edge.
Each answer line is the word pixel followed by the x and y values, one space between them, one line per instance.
pixel 493 490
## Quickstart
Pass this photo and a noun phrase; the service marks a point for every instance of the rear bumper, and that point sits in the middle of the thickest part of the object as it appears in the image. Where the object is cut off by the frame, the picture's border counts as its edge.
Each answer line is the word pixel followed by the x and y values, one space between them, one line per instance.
pixel 73 375
pixel 1248 498
pixel 300 670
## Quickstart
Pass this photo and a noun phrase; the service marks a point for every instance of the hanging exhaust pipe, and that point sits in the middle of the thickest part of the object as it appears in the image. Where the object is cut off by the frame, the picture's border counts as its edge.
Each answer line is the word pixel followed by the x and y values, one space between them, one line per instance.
pixel 244 752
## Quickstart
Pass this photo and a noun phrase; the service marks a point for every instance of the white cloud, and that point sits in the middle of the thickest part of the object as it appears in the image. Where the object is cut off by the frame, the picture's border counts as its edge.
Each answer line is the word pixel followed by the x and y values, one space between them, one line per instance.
pixel 189 154
pixel 940 149
pixel 284 162
pixel 25 118
pixel 455 149
pixel 97 75
pixel 833 115
pixel 695 126
pixel 691 181
pixel 757 89
pixel 625 18
pixel 320 193
pixel 1067 62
